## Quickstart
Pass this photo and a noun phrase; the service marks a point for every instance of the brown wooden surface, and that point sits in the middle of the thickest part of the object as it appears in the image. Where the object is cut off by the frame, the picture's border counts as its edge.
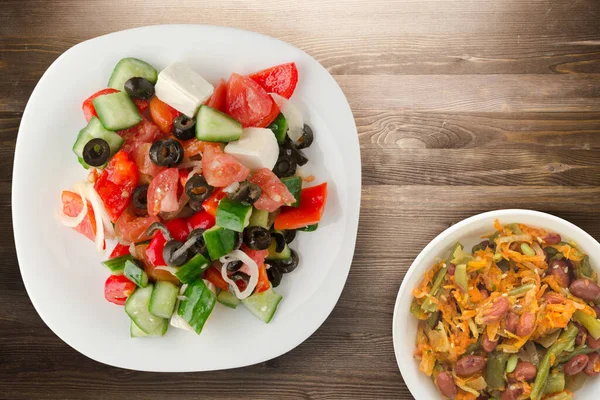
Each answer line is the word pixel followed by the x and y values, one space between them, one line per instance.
pixel 462 106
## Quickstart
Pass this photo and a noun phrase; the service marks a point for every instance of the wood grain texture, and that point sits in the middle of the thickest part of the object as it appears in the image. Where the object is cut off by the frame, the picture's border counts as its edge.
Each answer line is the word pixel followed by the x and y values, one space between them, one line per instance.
pixel 461 107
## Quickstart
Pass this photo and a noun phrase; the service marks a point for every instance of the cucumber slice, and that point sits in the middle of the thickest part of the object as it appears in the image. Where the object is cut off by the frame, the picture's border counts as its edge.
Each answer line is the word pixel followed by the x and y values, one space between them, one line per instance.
pixel 233 215
pixel 191 270
pixel 285 254
pixel 294 185
pixel 214 126
pixel 163 299
pixel 117 111
pixel 129 68
pixel 135 274
pixel 228 299
pixel 259 218
pixel 219 241
pixel 279 127
pixel 263 305
pixel 199 303
pixel 117 265
pixel 309 228
pixel 136 332
pixel 137 309
pixel 93 130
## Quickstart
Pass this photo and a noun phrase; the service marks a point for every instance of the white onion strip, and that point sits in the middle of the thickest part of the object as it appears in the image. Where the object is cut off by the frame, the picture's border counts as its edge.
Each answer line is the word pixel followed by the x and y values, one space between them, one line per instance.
pixel 190 164
pixel 72 222
pixel 292 115
pixel 252 267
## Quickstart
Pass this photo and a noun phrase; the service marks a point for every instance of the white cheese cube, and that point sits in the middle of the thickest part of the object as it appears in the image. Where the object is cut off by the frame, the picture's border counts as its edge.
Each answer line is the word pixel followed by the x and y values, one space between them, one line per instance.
pixel 182 88
pixel 257 148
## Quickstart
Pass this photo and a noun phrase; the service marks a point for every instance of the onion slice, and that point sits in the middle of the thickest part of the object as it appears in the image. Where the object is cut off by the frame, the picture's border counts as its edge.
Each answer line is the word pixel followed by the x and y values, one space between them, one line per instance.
pixel 292 115
pixel 236 255
pixel 72 222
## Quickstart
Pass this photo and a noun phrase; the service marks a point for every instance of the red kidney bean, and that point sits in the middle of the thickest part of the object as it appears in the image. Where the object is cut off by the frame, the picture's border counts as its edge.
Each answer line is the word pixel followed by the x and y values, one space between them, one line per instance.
pixel 575 365
pixel 526 324
pixel 512 392
pixel 552 238
pixel 593 366
pixel 451 269
pixel 560 270
pixel 581 335
pixel 597 310
pixel 511 323
pixel 525 371
pixel 446 385
pixel 593 343
pixel 487 344
pixel 585 289
pixel 553 298
pixel 496 311
pixel 468 365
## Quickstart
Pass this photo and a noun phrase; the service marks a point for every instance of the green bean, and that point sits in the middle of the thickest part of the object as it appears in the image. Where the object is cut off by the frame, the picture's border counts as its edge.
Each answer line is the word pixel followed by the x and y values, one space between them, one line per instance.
pixel 544 368
pixel 549 340
pixel 527 250
pixel 576 382
pixel 428 305
pixel 521 290
pixel 582 350
pixel 555 382
pixel 461 278
pixel 512 363
pixel 415 309
pixel 560 396
pixel 473 347
pixel 551 252
pixel 590 323
pixel 515 229
pixel 494 370
pixel 433 317
pixel 585 269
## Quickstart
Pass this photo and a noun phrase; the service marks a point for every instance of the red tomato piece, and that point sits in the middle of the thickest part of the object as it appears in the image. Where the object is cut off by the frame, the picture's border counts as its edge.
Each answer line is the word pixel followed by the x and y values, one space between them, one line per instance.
pixel 274 193
pixel 220 169
pixel 312 205
pixel 213 275
pixel 117 289
pixel 72 206
pixel 266 121
pixel 162 192
pixel 141 156
pixel 119 250
pixel 193 147
pixel 144 132
pixel 258 256
pixel 281 79
pixel 183 176
pixel 217 100
pixel 133 229
pixel 247 102
pixel 88 106
pixel 116 184
pixel 141 104
pixel 210 205
pixel 163 114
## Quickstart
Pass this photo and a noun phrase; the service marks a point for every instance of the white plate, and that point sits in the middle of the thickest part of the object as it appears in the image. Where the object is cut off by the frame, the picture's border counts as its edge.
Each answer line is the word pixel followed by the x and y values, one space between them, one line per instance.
pixel 62 270
pixel 469 232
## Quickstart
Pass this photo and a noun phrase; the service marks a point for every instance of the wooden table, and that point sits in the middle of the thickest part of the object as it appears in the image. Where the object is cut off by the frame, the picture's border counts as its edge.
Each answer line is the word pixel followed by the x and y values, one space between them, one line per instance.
pixel 461 106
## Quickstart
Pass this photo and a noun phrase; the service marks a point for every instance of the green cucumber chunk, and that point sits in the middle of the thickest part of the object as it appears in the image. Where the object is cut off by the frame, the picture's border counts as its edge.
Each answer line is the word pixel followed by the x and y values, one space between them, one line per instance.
pixel 117 265
pixel 136 307
pixel 294 185
pixel 199 303
pixel 259 218
pixel 117 111
pixel 191 270
pixel 129 68
pixel 163 299
pixel 309 228
pixel 233 215
pixel 228 299
pixel 219 241
pixel 135 274
pixel 214 126
pixel 285 254
pixel 279 127
pixel 263 305
pixel 136 332
pixel 93 130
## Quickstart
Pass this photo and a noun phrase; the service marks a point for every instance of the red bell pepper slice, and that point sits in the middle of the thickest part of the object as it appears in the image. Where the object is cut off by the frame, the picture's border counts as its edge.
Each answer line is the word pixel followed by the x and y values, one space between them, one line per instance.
pixel 259 258
pixel 116 184
pixel 154 251
pixel 178 228
pixel 312 205
pixel 210 205
pixel 119 250
pixel 213 275
pixel 117 289
pixel 88 106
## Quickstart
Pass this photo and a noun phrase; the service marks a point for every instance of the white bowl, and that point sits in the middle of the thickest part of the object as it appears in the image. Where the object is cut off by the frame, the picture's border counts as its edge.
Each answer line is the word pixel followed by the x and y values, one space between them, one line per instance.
pixel 469 232
pixel 61 269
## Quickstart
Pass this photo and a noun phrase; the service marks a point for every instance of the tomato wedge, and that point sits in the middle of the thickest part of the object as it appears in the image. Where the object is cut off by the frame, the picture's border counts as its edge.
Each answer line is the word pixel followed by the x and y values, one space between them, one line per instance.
pixel 312 205
pixel 220 169
pixel 213 275
pixel 274 193
pixel 119 250
pixel 133 229
pixel 280 79
pixel 218 98
pixel 259 258
pixel 249 103
pixel 117 289
pixel 162 192
pixel 116 184
pixel 72 206
pixel 163 114
pixel 88 106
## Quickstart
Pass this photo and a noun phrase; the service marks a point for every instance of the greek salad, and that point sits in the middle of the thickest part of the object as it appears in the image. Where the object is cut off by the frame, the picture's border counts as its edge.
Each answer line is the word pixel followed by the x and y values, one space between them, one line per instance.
pixel 200 187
